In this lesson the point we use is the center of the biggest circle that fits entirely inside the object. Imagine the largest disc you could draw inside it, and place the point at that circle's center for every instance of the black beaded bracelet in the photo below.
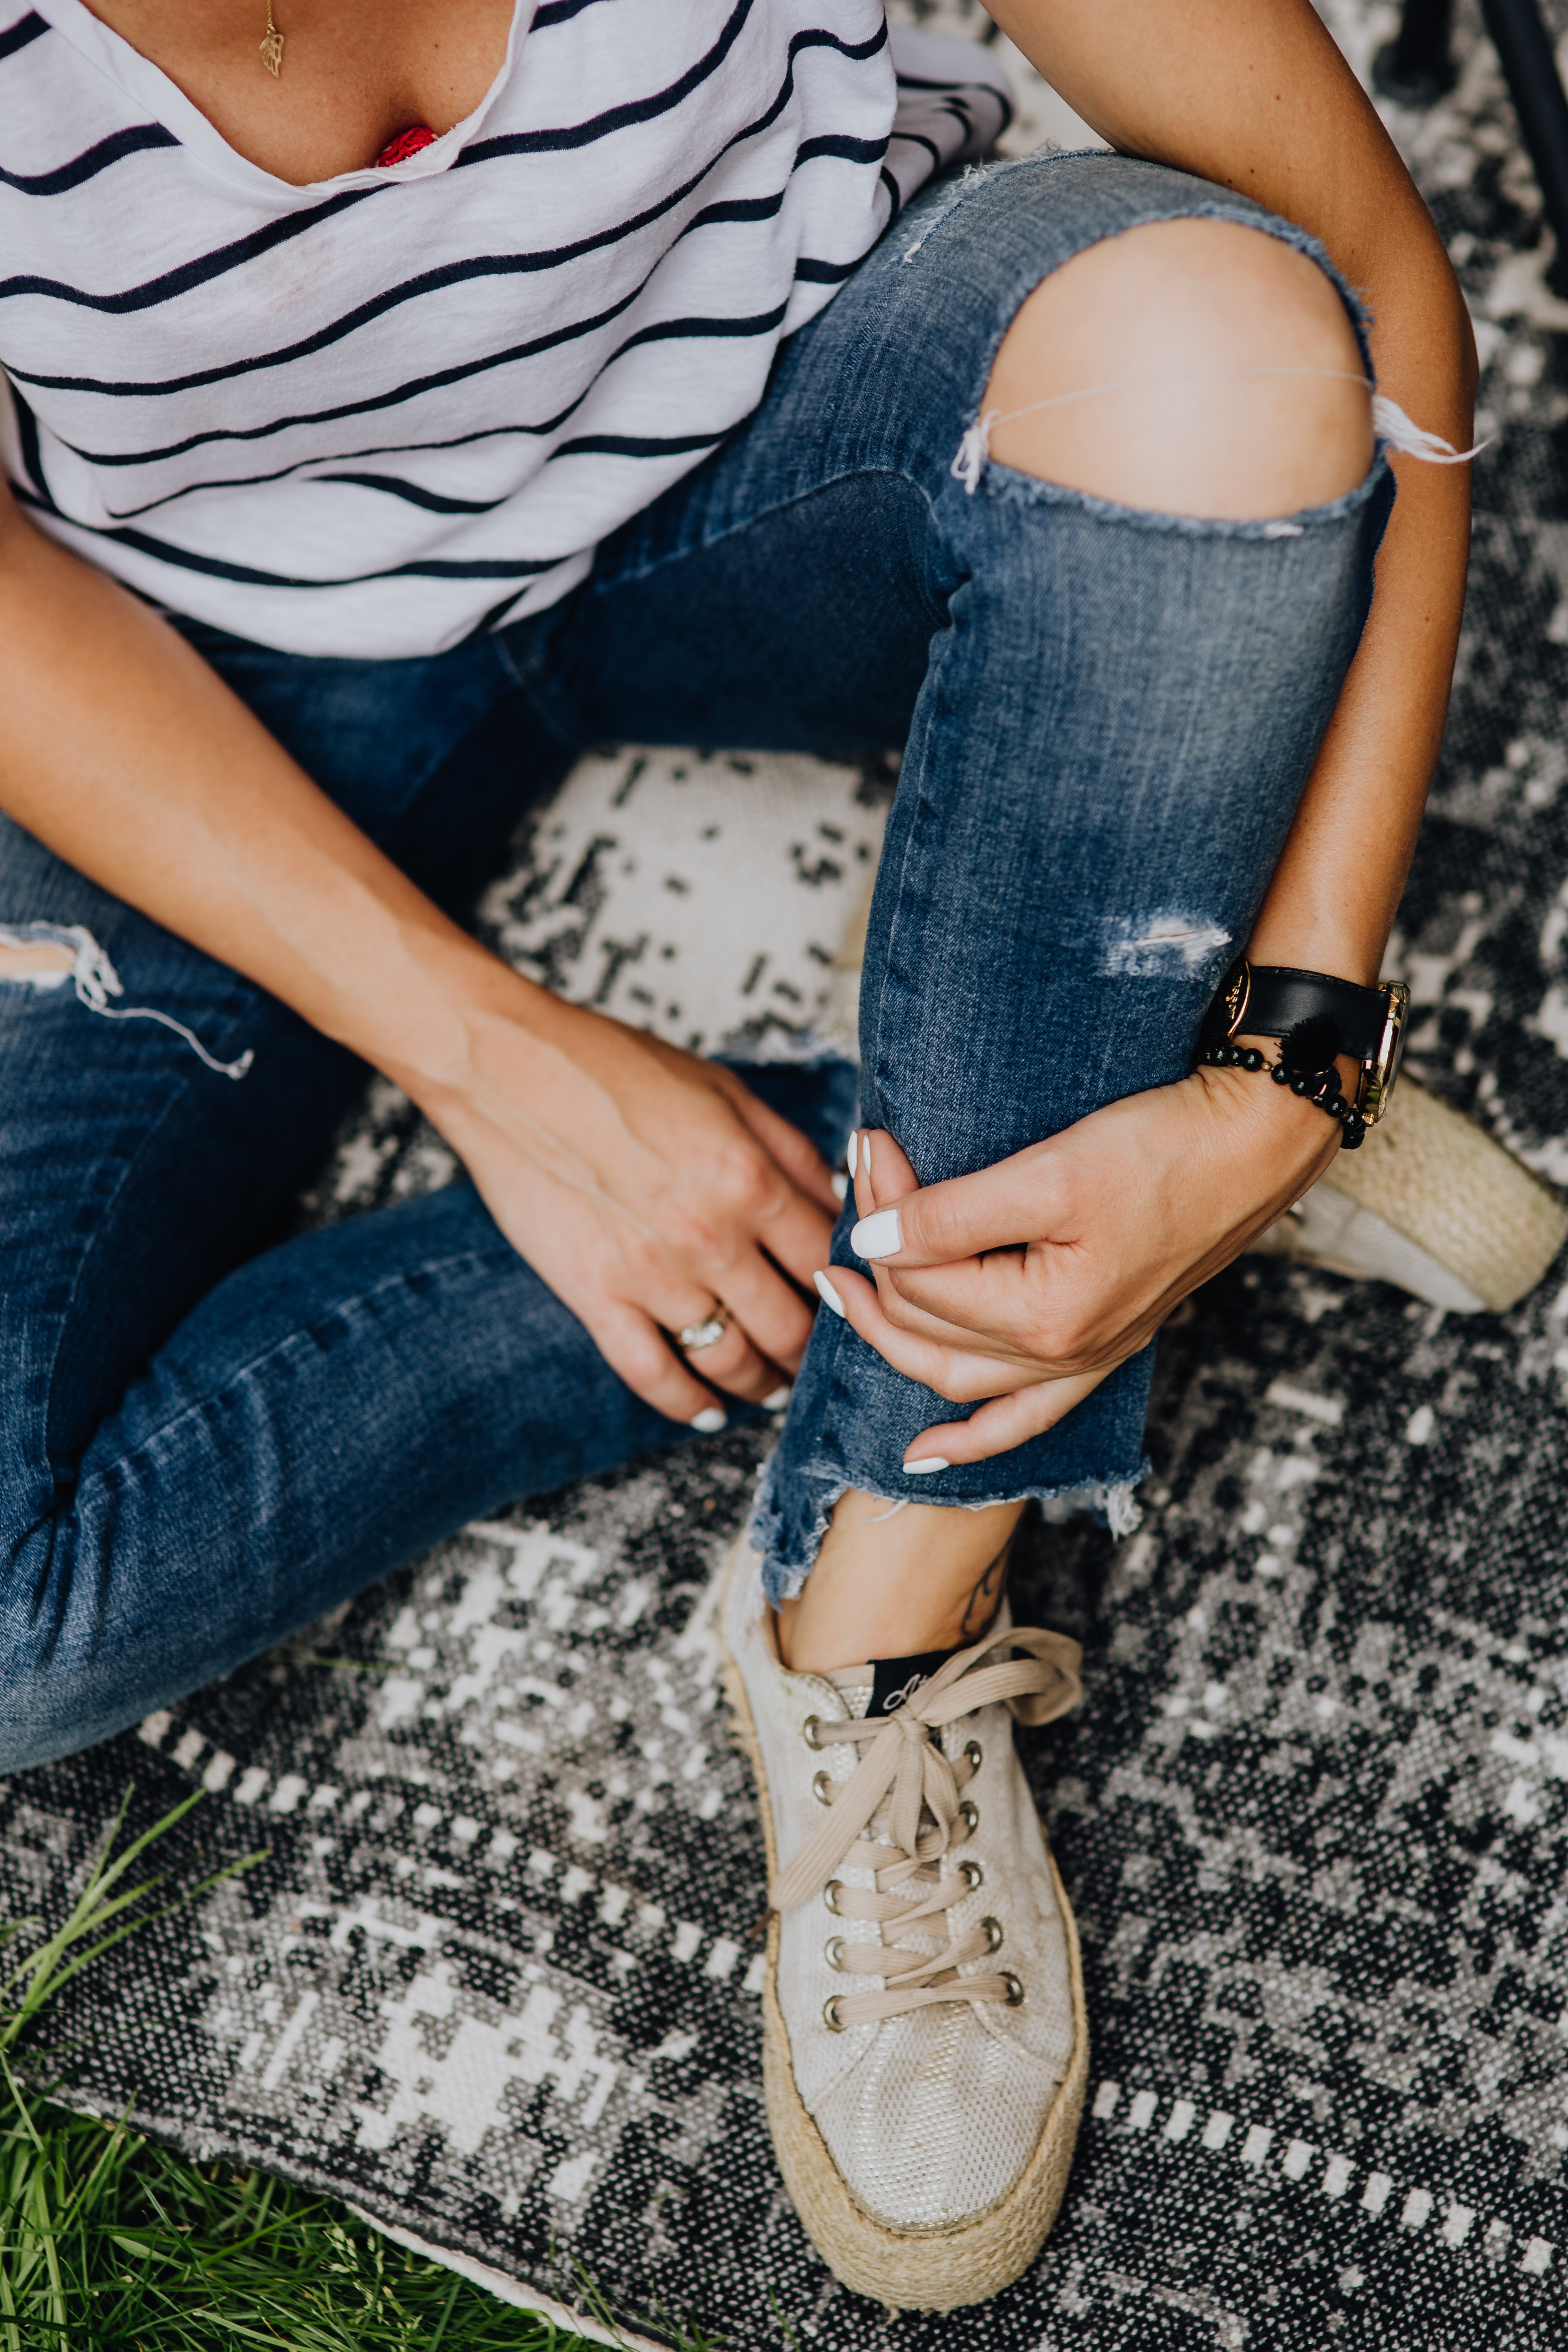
(1321, 1087)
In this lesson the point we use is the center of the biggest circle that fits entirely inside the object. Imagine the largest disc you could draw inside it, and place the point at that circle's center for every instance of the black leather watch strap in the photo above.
(1273, 1001)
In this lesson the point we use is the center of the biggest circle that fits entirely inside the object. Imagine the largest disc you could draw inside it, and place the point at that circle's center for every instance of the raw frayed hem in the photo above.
(1114, 1506)
(95, 981)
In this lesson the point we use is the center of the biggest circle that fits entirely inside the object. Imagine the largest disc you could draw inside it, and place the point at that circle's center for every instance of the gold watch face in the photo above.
(1377, 1089)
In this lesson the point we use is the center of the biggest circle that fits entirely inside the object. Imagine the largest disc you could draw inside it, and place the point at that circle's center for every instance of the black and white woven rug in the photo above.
(497, 1980)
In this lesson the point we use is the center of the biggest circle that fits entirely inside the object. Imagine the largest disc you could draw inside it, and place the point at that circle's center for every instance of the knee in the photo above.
(1199, 325)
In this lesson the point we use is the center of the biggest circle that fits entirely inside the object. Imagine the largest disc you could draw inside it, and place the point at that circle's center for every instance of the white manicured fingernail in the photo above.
(880, 1236)
(866, 1157)
(932, 1461)
(711, 1421)
(849, 1153)
(840, 1184)
(828, 1294)
(776, 1399)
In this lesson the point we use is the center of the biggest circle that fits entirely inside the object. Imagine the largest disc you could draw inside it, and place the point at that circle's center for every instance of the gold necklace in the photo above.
(271, 46)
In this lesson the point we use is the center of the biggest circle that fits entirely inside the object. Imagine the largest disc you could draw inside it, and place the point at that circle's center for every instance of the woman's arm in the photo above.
(1149, 1197)
(1252, 94)
(637, 1180)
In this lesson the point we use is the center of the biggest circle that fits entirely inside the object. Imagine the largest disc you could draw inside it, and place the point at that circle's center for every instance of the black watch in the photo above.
(1316, 1019)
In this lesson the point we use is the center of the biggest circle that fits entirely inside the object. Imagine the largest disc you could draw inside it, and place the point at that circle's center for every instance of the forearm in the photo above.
(1253, 95)
(1332, 900)
(126, 755)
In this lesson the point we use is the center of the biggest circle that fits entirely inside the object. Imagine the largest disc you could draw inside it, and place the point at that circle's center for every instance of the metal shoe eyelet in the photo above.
(971, 1874)
(830, 2016)
(808, 1731)
(969, 1814)
(992, 1931)
(973, 1754)
(820, 1787)
(831, 1893)
(833, 1952)
(1015, 1988)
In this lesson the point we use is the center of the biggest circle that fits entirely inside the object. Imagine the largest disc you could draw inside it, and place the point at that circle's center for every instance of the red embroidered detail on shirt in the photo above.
(407, 142)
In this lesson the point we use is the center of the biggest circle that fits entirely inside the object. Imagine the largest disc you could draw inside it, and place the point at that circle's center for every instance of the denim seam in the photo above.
(706, 543)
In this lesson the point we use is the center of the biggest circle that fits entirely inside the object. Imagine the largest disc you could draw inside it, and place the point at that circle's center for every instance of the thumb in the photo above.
(882, 1173)
(996, 1208)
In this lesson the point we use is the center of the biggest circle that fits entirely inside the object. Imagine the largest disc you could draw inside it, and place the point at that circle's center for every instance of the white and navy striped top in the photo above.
(375, 415)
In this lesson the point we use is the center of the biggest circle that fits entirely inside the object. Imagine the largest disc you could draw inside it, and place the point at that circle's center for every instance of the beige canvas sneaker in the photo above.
(925, 2048)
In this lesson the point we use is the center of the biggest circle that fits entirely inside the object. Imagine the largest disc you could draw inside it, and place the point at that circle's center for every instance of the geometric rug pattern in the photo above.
(496, 1978)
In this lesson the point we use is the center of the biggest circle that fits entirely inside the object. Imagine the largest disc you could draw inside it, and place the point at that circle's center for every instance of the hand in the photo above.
(642, 1184)
(1028, 1283)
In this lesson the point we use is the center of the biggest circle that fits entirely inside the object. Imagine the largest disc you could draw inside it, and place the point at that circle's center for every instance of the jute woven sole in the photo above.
(1441, 1184)
(906, 2269)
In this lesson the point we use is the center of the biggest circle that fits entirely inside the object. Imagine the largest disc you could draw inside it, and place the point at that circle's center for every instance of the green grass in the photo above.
(111, 2243)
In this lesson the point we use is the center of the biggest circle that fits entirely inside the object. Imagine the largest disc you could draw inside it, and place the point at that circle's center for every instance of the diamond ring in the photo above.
(695, 1336)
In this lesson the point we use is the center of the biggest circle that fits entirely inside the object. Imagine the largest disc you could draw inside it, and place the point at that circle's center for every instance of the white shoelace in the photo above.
(909, 1790)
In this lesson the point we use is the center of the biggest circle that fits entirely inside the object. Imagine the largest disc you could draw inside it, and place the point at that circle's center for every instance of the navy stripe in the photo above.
(453, 273)
(200, 272)
(895, 196)
(133, 141)
(915, 139)
(616, 117)
(737, 208)
(536, 143)
(32, 456)
(826, 273)
(437, 381)
(215, 567)
(26, 29)
(431, 500)
(853, 151)
(559, 12)
(299, 468)
(627, 445)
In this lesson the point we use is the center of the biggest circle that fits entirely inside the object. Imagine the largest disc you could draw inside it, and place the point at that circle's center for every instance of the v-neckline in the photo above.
(116, 56)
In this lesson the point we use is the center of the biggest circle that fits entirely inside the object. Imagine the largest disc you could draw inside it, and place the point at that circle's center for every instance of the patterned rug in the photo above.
(496, 1981)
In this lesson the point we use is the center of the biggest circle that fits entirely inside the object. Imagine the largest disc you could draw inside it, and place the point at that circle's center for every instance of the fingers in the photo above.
(951, 1371)
(800, 1160)
(1000, 1425)
(771, 1310)
(738, 1366)
(996, 1208)
(632, 1345)
(882, 1173)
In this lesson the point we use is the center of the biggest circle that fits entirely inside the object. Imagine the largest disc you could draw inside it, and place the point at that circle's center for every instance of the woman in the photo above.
(400, 401)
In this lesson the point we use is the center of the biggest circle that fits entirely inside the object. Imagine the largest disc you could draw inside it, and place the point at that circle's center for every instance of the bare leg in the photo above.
(1181, 302)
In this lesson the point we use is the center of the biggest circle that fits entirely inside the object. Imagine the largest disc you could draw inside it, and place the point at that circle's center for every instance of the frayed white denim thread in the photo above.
(1117, 1505)
(1142, 953)
(1389, 422)
(95, 981)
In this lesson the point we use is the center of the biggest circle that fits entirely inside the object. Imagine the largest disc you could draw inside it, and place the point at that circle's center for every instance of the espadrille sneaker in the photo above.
(925, 2048)
(1430, 1203)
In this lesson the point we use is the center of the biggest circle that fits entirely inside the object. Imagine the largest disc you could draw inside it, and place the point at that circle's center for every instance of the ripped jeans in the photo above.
(210, 1434)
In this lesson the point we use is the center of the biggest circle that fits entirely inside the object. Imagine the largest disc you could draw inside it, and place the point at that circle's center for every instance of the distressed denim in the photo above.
(211, 1433)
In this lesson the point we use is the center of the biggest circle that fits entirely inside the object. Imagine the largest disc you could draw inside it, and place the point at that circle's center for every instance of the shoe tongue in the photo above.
(885, 1684)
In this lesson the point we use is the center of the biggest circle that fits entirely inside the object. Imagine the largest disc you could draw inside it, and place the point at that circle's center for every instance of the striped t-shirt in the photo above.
(373, 415)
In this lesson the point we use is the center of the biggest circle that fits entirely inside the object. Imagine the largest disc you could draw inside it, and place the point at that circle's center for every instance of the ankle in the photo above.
(887, 1586)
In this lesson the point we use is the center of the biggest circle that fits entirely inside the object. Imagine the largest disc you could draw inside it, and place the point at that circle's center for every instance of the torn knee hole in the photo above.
(39, 962)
